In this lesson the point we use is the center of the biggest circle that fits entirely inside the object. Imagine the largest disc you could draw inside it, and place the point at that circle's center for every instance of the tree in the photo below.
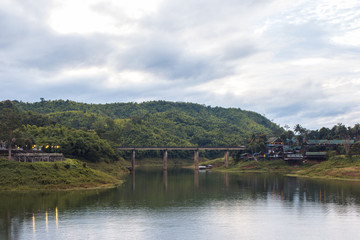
(355, 149)
(256, 142)
(10, 120)
(324, 133)
(298, 129)
(347, 146)
(355, 131)
(287, 137)
(301, 133)
(341, 131)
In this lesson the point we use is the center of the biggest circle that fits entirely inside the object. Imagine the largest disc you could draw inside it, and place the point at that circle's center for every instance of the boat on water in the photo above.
(202, 167)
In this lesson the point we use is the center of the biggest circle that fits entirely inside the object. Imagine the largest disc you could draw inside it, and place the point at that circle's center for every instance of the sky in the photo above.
(291, 61)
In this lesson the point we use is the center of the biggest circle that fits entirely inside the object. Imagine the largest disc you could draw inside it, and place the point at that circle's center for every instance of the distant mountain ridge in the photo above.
(157, 123)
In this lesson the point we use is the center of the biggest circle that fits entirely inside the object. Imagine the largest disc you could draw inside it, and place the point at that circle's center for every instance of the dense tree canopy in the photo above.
(158, 122)
(338, 131)
(10, 120)
(76, 143)
(92, 131)
(81, 128)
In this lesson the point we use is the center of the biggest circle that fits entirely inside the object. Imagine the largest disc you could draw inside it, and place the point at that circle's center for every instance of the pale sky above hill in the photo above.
(293, 61)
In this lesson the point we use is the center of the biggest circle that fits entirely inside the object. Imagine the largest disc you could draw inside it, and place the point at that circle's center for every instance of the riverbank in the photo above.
(337, 167)
(65, 175)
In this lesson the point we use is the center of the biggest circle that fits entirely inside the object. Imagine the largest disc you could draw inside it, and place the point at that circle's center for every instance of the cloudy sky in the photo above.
(292, 61)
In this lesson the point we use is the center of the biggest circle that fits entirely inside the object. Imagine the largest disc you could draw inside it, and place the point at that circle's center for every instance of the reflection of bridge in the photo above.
(195, 149)
(165, 180)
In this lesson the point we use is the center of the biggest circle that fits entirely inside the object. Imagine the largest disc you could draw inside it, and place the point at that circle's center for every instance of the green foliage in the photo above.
(355, 149)
(338, 131)
(330, 154)
(257, 142)
(73, 143)
(263, 166)
(48, 175)
(155, 123)
(336, 167)
(10, 120)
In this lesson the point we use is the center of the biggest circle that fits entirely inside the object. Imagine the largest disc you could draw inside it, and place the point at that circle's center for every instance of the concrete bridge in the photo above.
(195, 149)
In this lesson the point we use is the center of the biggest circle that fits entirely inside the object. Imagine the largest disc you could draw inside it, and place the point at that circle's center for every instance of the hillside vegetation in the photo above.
(89, 131)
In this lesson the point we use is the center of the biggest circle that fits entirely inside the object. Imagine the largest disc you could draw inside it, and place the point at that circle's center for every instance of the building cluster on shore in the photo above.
(317, 150)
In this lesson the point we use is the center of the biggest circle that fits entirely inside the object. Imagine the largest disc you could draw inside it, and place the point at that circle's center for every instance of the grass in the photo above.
(69, 174)
(337, 167)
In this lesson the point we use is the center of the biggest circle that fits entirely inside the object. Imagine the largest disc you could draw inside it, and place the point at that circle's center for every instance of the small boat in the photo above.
(205, 167)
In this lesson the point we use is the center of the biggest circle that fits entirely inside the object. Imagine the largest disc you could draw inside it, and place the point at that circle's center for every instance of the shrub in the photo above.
(331, 154)
(355, 149)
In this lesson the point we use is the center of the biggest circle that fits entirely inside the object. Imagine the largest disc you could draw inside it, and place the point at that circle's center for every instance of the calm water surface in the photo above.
(183, 204)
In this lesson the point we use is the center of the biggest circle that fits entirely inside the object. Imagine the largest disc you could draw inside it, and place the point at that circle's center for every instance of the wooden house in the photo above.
(275, 147)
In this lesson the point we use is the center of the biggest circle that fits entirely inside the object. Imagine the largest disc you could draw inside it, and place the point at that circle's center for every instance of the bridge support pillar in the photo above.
(226, 157)
(196, 159)
(133, 160)
(165, 158)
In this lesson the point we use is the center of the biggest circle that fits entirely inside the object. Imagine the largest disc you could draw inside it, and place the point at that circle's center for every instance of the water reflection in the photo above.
(196, 179)
(33, 222)
(227, 181)
(57, 218)
(179, 189)
(165, 174)
(36, 221)
(47, 221)
(133, 180)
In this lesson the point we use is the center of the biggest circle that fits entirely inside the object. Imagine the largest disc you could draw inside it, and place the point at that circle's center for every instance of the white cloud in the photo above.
(96, 16)
(296, 62)
(349, 38)
(76, 17)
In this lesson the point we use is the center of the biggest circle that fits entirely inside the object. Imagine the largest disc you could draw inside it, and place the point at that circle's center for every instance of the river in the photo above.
(183, 204)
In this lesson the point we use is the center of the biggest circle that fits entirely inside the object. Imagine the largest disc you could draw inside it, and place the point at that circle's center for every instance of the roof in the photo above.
(288, 148)
(329, 142)
(315, 153)
(294, 155)
(273, 139)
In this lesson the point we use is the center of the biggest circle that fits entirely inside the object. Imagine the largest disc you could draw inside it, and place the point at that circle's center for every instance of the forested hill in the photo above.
(92, 131)
(156, 123)
(128, 110)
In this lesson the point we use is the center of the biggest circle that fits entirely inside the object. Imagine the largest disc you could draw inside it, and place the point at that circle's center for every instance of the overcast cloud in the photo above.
(293, 61)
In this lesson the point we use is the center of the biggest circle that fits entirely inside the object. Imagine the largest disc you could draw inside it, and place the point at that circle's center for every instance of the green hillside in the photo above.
(183, 120)
(74, 125)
